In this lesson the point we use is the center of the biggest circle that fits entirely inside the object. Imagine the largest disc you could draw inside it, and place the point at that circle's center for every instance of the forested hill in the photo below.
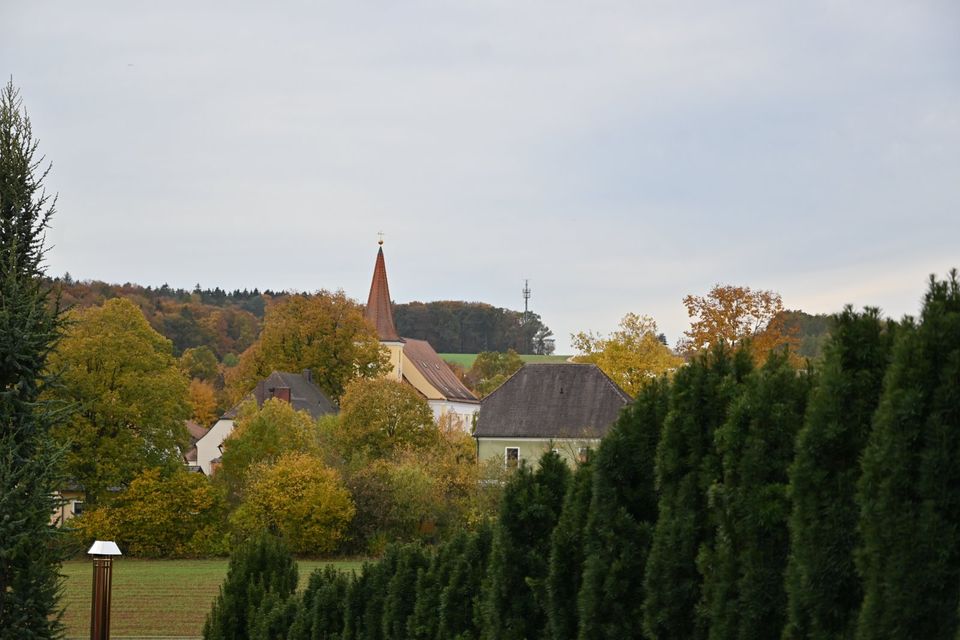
(228, 322)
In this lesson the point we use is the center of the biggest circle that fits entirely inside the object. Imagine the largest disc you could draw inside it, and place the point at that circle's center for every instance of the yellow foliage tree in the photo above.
(631, 356)
(299, 497)
(324, 332)
(737, 315)
(203, 402)
(129, 393)
(173, 515)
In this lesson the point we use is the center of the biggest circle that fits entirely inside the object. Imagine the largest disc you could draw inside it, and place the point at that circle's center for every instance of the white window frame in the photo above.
(506, 457)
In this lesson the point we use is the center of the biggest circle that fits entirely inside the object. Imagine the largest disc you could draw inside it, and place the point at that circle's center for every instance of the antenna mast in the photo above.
(526, 300)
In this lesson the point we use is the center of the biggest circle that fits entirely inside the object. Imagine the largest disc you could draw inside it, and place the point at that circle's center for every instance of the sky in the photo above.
(618, 155)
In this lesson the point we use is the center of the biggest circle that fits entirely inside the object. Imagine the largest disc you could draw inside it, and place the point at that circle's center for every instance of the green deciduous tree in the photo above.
(262, 577)
(908, 492)
(743, 564)
(324, 332)
(823, 588)
(515, 590)
(30, 325)
(131, 398)
(301, 499)
(380, 418)
(623, 512)
(686, 466)
(490, 369)
(633, 355)
(175, 515)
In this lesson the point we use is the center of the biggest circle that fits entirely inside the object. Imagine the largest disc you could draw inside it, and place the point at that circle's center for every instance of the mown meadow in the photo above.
(157, 598)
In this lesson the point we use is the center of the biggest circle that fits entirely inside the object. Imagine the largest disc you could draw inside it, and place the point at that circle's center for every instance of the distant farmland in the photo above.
(465, 360)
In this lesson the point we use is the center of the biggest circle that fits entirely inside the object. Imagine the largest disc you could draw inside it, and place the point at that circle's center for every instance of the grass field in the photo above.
(156, 598)
(465, 360)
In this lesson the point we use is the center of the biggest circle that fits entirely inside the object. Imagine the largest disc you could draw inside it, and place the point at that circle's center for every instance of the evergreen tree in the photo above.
(401, 594)
(323, 610)
(514, 592)
(823, 588)
(460, 601)
(686, 466)
(424, 624)
(743, 566)
(909, 491)
(566, 555)
(619, 530)
(261, 578)
(30, 324)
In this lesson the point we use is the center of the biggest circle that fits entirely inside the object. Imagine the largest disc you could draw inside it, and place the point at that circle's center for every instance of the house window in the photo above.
(77, 507)
(582, 453)
(512, 458)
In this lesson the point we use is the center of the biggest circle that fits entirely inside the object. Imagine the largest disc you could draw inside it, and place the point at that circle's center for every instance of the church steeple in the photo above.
(378, 309)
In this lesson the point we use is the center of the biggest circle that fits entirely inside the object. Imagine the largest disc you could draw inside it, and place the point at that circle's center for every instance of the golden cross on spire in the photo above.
(380, 238)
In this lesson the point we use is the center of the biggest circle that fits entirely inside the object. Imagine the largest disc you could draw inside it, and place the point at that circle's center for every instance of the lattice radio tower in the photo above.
(526, 300)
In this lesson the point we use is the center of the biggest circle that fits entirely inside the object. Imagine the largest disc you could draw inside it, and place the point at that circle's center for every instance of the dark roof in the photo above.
(304, 395)
(552, 401)
(436, 371)
(195, 430)
(378, 311)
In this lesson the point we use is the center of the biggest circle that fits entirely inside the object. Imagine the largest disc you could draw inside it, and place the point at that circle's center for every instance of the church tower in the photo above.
(379, 313)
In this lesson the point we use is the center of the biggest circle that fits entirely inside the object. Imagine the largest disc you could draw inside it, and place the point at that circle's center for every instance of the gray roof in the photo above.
(552, 401)
(304, 394)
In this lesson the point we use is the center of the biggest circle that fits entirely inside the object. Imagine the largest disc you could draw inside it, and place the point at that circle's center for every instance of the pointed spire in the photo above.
(378, 310)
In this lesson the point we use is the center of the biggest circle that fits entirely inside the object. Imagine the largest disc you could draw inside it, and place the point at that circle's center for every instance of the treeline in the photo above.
(472, 327)
(734, 501)
(228, 322)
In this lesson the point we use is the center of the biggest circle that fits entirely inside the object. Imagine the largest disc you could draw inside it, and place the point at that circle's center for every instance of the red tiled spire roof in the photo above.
(378, 310)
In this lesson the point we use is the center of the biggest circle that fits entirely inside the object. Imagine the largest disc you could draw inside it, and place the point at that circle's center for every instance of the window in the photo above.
(582, 453)
(512, 458)
(77, 507)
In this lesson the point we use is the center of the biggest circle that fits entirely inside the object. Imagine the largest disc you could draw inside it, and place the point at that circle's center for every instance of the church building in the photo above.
(415, 362)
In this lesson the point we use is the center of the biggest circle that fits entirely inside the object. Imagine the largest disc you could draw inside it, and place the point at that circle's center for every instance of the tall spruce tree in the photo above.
(619, 527)
(514, 592)
(743, 566)
(566, 555)
(253, 599)
(30, 325)
(424, 623)
(401, 594)
(686, 467)
(909, 492)
(323, 611)
(461, 600)
(823, 588)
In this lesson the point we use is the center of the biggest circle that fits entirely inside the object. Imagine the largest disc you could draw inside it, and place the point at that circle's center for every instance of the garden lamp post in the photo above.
(102, 552)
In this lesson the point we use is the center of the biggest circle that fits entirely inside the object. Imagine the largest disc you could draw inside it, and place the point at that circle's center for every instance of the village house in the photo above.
(565, 407)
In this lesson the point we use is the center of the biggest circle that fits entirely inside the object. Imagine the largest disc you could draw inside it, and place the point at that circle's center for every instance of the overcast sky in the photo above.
(620, 155)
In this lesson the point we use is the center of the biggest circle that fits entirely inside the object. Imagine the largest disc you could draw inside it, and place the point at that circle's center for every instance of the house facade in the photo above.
(565, 407)
(415, 362)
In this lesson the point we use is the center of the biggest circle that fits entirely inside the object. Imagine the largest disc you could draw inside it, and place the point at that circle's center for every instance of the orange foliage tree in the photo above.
(735, 315)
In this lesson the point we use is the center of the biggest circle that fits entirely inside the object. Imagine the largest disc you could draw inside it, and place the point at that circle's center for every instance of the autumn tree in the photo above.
(735, 315)
(324, 332)
(380, 417)
(30, 325)
(823, 588)
(158, 516)
(199, 362)
(490, 369)
(633, 355)
(262, 435)
(908, 491)
(130, 396)
(203, 402)
(300, 498)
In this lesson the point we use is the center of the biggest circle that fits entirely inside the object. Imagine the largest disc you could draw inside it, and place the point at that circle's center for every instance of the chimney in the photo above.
(308, 375)
(283, 393)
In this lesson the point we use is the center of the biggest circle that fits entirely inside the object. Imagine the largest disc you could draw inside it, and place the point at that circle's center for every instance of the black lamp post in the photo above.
(102, 552)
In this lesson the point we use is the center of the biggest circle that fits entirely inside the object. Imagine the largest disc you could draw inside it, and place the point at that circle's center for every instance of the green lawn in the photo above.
(156, 598)
(465, 360)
